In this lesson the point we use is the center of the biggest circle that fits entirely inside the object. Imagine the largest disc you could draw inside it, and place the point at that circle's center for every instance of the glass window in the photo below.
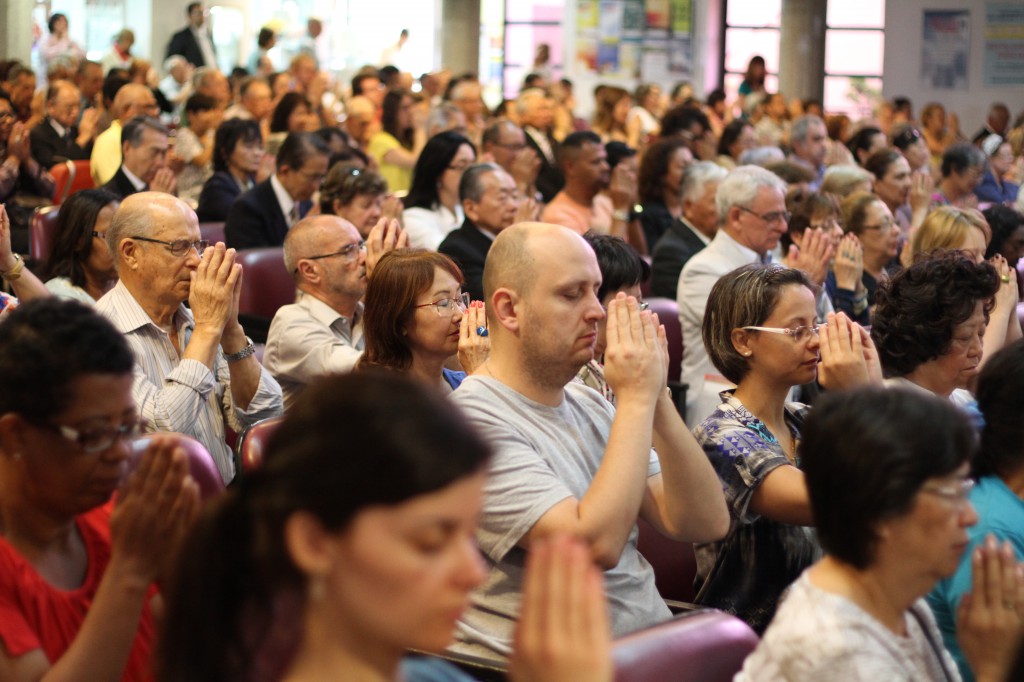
(854, 96)
(743, 43)
(858, 14)
(854, 52)
(753, 13)
(535, 10)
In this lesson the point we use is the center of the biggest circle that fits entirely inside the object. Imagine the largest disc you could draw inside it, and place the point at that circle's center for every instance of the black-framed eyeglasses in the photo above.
(179, 247)
(350, 252)
(770, 217)
(444, 305)
(798, 334)
(96, 440)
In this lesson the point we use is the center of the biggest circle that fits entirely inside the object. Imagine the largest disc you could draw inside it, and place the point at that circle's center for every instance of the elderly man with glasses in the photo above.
(322, 332)
(195, 369)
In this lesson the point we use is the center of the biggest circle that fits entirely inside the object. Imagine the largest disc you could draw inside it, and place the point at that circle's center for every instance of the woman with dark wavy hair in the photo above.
(660, 186)
(929, 323)
(432, 207)
(81, 267)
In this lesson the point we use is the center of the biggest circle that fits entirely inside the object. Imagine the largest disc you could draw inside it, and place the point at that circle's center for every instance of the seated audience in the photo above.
(505, 143)
(622, 270)
(195, 369)
(322, 332)
(911, 144)
(867, 217)
(77, 571)
(254, 102)
(144, 147)
(752, 217)
(580, 205)
(489, 202)
(263, 215)
(891, 525)
(612, 105)
(60, 136)
(930, 320)
(660, 187)
(418, 318)
(80, 266)
(432, 207)
(1007, 226)
(358, 195)
(565, 460)
(194, 145)
(761, 332)
(962, 167)
(809, 140)
(996, 497)
(994, 188)
(398, 144)
(130, 101)
(536, 113)
(642, 123)
(20, 175)
(315, 587)
(237, 156)
(293, 114)
(865, 142)
(937, 135)
(691, 231)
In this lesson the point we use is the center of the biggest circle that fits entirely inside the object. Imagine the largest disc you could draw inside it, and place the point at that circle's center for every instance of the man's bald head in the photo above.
(143, 214)
(135, 99)
(310, 236)
(513, 260)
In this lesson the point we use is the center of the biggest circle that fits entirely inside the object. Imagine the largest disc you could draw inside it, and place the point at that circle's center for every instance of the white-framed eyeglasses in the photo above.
(957, 493)
(798, 334)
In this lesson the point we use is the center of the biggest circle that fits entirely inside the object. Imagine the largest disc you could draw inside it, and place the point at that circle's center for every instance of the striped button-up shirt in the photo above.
(183, 395)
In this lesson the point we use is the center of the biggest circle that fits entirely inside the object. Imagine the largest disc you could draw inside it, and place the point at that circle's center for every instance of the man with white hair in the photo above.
(689, 233)
(255, 102)
(195, 369)
(752, 216)
(177, 84)
(809, 139)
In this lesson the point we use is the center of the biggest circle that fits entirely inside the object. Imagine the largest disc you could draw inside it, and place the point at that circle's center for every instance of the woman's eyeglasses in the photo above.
(798, 334)
(444, 305)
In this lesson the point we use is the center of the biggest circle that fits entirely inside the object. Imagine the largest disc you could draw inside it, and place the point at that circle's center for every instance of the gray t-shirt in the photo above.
(818, 635)
(542, 455)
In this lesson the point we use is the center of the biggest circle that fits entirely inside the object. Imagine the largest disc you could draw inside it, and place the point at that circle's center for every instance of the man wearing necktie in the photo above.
(263, 215)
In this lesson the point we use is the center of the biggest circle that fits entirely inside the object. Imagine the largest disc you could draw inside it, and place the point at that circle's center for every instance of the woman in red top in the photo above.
(77, 572)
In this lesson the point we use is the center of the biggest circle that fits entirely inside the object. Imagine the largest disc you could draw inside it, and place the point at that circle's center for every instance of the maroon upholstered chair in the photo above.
(668, 315)
(201, 466)
(674, 563)
(701, 646)
(70, 177)
(253, 443)
(41, 233)
(212, 232)
(647, 284)
(266, 286)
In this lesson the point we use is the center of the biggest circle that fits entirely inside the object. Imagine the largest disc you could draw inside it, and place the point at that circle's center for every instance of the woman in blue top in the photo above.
(417, 318)
(998, 495)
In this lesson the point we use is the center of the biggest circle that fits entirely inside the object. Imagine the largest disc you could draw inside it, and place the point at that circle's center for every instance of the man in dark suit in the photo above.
(690, 233)
(263, 215)
(194, 42)
(489, 200)
(536, 115)
(143, 159)
(60, 137)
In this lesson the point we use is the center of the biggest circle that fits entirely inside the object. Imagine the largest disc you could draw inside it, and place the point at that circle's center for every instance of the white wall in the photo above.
(903, 31)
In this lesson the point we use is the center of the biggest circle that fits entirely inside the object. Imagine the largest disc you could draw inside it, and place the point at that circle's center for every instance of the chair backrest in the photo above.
(63, 175)
(42, 231)
(668, 315)
(701, 646)
(648, 284)
(674, 563)
(201, 466)
(212, 232)
(266, 285)
(253, 443)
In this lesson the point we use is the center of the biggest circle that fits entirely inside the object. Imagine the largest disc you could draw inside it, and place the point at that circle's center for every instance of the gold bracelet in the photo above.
(14, 273)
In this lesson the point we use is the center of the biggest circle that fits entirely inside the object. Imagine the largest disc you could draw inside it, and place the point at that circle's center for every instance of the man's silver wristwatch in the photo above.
(249, 349)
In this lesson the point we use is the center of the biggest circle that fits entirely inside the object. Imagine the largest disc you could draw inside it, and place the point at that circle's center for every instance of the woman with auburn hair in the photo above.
(417, 318)
(613, 107)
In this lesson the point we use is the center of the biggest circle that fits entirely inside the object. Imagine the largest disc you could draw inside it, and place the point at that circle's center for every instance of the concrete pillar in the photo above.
(802, 49)
(459, 35)
(16, 30)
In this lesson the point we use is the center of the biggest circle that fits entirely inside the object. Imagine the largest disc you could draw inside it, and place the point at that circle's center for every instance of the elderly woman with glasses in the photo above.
(77, 571)
(892, 523)
(417, 318)
(359, 195)
(761, 332)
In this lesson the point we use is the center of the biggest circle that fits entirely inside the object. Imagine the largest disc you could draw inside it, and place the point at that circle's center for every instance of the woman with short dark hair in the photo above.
(761, 332)
(887, 476)
(237, 153)
(81, 266)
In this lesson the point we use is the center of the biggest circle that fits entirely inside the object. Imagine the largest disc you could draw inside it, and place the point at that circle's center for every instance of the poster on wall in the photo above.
(1004, 44)
(646, 39)
(945, 47)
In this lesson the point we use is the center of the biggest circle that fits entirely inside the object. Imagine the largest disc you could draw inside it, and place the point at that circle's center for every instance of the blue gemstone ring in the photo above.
(481, 331)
